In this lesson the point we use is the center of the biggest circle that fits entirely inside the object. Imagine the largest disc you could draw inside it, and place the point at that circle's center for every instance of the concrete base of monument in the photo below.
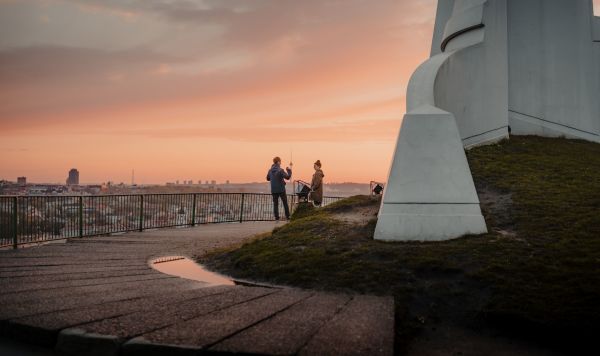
(429, 222)
(522, 124)
(430, 195)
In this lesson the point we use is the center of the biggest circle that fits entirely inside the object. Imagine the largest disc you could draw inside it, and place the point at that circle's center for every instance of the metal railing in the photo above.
(34, 219)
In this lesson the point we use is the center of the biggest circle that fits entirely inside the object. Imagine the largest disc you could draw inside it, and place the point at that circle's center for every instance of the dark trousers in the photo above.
(283, 197)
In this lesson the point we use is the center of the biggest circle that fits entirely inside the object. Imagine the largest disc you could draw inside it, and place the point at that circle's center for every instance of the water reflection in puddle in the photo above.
(185, 268)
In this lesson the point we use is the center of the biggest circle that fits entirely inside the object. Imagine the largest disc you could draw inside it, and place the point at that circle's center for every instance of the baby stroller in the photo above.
(302, 190)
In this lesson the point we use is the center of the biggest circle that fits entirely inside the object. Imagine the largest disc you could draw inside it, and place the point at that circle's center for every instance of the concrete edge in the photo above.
(140, 346)
(394, 226)
(30, 334)
(248, 283)
(523, 124)
(75, 341)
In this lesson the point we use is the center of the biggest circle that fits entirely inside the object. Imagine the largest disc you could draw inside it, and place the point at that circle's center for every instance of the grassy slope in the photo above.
(542, 283)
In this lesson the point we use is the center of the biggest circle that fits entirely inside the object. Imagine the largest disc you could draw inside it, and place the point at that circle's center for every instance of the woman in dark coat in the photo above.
(316, 185)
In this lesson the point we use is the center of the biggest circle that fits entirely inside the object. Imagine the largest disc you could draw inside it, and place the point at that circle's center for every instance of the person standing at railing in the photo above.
(316, 186)
(277, 176)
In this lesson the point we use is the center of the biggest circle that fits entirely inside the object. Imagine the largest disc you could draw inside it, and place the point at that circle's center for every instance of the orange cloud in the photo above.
(226, 82)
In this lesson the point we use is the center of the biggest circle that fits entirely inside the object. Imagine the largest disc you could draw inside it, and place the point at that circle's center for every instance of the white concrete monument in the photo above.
(533, 65)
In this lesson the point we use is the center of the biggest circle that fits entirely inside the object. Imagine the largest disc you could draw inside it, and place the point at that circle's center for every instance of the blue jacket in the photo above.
(276, 176)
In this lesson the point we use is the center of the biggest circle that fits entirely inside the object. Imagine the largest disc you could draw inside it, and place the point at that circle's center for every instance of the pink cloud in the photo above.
(299, 71)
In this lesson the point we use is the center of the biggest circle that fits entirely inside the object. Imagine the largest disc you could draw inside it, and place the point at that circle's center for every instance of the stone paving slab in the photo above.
(132, 325)
(207, 330)
(69, 267)
(66, 269)
(74, 259)
(100, 296)
(101, 288)
(59, 272)
(70, 262)
(51, 303)
(72, 283)
(364, 327)
(75, 276)
(44, 328)
(288, 331)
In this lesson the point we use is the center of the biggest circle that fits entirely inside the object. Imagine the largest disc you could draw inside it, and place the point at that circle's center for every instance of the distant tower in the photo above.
(73, 177)
(132, 177)
(22, 181)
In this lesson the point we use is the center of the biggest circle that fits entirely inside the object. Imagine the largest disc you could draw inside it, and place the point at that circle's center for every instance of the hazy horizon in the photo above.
(164, 183)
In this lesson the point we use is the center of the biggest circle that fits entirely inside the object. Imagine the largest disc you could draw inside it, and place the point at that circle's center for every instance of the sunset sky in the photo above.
(206, 89)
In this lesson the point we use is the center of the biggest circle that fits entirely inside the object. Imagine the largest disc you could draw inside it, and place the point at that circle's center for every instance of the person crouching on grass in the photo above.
(316, 186)
(277, 176)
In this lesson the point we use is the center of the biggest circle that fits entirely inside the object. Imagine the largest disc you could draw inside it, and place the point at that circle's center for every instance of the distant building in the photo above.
(213, 182)
(22, 180)
(73, 177)
(206, 183)
(227, 181)
(177, 182)
(200, 181)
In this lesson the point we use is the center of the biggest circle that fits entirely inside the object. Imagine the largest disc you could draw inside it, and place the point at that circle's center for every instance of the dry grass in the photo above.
(535, 276)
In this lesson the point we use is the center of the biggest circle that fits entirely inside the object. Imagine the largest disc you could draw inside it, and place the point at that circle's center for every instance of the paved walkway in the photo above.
(100, 296)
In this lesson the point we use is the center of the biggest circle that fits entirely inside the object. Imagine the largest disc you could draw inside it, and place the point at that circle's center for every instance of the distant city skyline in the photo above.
(175, 182)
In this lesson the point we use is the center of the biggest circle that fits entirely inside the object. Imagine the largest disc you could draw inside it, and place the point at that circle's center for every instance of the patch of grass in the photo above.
(536, 275)
(351, 203)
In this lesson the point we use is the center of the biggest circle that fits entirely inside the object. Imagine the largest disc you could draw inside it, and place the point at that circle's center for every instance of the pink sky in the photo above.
(207, 89)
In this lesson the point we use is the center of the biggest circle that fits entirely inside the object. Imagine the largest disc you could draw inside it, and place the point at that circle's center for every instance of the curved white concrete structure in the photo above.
(554, 62)
(494, 63)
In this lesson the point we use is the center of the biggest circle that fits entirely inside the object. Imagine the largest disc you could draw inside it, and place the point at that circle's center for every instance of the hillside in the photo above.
(532, 284)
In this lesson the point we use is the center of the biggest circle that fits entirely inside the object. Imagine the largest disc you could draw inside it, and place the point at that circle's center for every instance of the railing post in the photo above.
(292, 205)
(15, 223)
(194, 210)
(80, 216)
(242, 209)
(141, 212)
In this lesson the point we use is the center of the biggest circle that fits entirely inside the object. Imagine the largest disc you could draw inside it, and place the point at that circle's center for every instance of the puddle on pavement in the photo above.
(185, 268)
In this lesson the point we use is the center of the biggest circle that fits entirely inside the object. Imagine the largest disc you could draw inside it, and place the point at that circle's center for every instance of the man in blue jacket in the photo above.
(277, 176)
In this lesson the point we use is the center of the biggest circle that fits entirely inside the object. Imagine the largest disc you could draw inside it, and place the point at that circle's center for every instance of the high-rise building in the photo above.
(22, 180)
(73, 177)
